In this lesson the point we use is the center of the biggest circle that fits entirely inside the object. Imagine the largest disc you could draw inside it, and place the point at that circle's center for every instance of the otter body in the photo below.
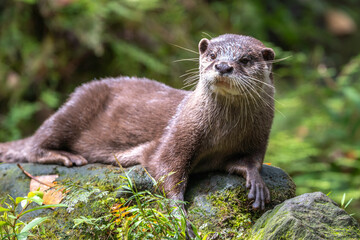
(224, 124)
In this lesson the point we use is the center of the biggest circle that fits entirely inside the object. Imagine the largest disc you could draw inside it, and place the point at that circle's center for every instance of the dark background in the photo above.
(48, 47)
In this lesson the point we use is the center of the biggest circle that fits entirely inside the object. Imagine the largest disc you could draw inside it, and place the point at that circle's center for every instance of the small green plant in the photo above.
(147, 215)
(141, 215)
(343, 204)
(11, 227)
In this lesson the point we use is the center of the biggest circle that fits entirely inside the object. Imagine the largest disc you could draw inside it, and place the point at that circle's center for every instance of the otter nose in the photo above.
(223, 68)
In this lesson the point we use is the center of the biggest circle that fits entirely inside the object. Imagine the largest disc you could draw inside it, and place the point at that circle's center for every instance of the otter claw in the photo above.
(260, 193)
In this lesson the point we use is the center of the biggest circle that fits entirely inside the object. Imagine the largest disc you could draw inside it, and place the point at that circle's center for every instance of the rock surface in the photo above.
(217, 201)
(309, 216)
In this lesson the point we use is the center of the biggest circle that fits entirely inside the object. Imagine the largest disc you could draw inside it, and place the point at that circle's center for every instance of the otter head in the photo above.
(232, 65)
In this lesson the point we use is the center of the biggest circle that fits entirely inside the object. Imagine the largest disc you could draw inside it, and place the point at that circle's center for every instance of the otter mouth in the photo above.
(223, 86)
(223, 83)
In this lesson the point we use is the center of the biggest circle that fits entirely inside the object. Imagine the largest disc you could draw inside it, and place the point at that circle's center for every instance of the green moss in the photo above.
(229, 214)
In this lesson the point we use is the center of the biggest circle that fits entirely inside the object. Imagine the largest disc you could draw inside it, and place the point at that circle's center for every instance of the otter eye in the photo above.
(244, 61)
(213, 56)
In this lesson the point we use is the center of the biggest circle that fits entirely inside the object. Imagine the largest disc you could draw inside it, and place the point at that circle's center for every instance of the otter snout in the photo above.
(224, 68)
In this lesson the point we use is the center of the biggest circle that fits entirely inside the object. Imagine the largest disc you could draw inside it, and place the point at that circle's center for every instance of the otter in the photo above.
(224, 124)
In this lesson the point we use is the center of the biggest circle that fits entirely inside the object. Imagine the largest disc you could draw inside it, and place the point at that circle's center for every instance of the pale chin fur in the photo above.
(212, 77)
(224, 90)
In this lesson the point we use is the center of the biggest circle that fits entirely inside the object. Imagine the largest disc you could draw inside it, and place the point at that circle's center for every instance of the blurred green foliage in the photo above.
(48, 47)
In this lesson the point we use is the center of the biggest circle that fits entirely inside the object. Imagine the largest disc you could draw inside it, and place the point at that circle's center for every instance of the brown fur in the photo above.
(165, 129)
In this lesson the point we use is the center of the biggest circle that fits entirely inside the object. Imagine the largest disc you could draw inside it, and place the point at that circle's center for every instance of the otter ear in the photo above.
(268, 54)
(203, 45)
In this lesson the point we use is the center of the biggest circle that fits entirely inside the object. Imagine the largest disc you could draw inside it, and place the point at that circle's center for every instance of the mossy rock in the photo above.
(308, 216)
(217, 201)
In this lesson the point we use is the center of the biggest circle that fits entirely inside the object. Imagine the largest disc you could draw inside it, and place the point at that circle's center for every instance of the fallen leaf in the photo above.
(47, 179)
(51, 195)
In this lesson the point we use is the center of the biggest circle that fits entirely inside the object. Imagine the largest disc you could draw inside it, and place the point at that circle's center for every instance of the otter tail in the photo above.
(15, 151)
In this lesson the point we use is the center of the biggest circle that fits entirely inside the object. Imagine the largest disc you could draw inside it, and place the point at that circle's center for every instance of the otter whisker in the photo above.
(191, 79)
(255, 85)
(189, 73)
(184, 48)
(205, 33)
(252, 87)
(265, 91)
(257, 80)
(252, 119)
(192, 69)
(243, 81)
(268, 95)
(244, 105)
(192, 82)
(187, 59)
(189, 85)
(279, 60)
(261, 63)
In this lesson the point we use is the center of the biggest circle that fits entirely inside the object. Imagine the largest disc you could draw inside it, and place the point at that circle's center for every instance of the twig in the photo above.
(32, 177)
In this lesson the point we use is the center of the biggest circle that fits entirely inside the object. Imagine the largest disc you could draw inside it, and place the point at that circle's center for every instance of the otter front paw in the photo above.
(76, 159)
(63, 158)
(258, 191)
